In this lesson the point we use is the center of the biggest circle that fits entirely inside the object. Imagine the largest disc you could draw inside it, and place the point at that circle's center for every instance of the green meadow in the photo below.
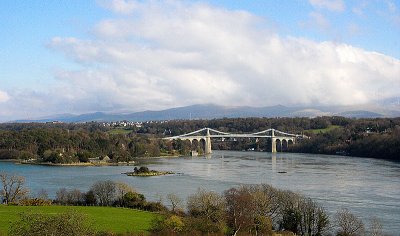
(118, 220)
(120, 131)
(317, 131)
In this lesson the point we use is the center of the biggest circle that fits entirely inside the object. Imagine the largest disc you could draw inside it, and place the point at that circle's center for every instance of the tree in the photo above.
(90, 198)
(289, 212)
(76, 197)
(313, 218)
(375, 227)
(176, 202)
(168, 225)
(104, 192)
(238, 202)
(62, 196)
(84, 156)
(208, 210)
(174, 223)
(42, 194)
(70, 197)
(70, 223)
(301, 215)
(134, 200)
(348, 224)
(12, 188)
(121, 189)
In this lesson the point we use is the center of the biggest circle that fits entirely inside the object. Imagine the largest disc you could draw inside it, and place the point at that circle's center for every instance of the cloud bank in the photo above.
(161, 54)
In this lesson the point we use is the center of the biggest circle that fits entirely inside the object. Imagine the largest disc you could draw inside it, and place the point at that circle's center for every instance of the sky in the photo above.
(73, 56)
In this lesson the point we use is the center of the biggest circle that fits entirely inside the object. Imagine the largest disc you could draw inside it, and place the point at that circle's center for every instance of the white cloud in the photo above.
(319, 21)
(332, 5)
(394, 14)
(172, 53)
(167, 54)
(353, 30)
(4, 97)
(119, 6)
(360, 8)
(391, 6)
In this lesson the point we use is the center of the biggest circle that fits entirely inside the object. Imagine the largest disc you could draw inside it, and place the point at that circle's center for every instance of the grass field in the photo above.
(119, 131)
(317, 131)
(117, 220)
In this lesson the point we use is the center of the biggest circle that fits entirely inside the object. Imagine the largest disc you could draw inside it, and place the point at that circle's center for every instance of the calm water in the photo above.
(367, 187)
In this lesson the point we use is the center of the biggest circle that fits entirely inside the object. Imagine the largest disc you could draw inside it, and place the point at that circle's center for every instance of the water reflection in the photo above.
(273, 163)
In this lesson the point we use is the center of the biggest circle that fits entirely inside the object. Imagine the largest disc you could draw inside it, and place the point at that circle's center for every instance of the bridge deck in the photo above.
(229, 136)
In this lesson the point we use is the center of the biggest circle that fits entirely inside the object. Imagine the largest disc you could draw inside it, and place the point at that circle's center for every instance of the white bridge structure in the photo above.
(204, 135)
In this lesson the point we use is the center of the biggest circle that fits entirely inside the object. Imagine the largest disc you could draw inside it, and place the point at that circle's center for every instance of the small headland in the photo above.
(145, 172)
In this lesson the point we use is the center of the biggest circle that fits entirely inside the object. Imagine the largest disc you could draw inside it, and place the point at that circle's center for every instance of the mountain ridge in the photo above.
(213, 111)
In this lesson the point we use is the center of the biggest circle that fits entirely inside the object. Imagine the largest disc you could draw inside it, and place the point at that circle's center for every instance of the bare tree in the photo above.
(70, 197)
(75, 197)
(208, 210)
(348, 224)
(375, 227)
(313, 218)
(42, 194)
(104, 191)
(12, 188)
(176, 202)
(62, 196)
(121, 189)
(239, 210)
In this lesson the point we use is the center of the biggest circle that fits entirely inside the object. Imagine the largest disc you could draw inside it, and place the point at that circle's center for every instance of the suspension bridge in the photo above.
(278, 138)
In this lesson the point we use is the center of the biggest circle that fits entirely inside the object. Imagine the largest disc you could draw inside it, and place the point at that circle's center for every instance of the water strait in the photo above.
(368, 187)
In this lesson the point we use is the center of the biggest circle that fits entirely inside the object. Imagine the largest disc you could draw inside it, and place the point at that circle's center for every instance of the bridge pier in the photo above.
(273, 141)
(207, 148)
(273, 145)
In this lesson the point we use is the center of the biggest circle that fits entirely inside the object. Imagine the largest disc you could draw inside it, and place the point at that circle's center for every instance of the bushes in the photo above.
(247, 210)
(142, 169)
(260, 208)
(84, 156)
(348, 224)
(9, 154)
(70, 197)
(35, 202)
(70, 223)
(207, 210)
(108, 193)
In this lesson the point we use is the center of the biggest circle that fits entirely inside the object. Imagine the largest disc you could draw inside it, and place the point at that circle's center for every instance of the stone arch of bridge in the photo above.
(285, 145)
(202, 143)
(278, 145)
(194, 145)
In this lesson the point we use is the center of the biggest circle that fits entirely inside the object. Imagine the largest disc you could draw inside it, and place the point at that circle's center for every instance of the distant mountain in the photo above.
(211, 111)
(360, 114)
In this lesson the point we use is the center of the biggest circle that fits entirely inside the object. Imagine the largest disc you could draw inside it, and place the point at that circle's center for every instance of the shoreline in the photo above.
(74, 164)
(84, 164)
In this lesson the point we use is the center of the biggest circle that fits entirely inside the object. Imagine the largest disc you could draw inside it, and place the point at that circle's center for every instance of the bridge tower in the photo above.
(273, 141)
(207, 148)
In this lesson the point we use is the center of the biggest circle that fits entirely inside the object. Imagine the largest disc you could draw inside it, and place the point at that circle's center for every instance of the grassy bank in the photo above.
(117, 220)
(318, 131)
(120, 131)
